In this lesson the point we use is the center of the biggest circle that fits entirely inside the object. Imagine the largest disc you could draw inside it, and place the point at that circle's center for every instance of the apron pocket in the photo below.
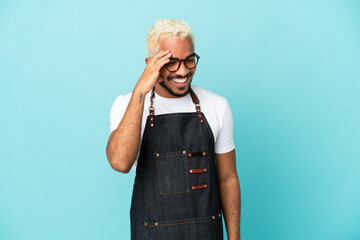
(208, 228)
(172, 172)
(173, 231)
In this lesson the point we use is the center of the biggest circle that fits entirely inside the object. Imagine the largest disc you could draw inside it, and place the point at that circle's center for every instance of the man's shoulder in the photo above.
(207, 96)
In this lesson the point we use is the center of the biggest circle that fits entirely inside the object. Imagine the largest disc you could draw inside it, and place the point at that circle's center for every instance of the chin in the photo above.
(177, 92)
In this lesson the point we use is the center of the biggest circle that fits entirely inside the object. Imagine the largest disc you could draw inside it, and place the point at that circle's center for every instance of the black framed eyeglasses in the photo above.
(190, 62)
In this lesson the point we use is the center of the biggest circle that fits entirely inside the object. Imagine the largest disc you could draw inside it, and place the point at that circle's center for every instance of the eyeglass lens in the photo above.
(189, 62)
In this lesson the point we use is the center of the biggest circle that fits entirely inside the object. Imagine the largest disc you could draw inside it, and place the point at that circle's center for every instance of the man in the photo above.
(182, 149)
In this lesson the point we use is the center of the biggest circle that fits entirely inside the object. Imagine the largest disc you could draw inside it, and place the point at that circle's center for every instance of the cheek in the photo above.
(164, 72)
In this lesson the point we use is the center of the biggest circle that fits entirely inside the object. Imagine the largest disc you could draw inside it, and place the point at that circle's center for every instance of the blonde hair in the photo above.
(174, 28)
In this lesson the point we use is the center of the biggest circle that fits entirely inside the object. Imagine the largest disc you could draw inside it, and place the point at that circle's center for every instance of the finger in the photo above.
(165, 59)
(155, 58)
(158, 63)
(162, 62)
(161, 54)
(166, 56)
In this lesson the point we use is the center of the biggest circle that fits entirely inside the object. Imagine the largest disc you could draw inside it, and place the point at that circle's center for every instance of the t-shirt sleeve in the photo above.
(117, 111)
(225, 141)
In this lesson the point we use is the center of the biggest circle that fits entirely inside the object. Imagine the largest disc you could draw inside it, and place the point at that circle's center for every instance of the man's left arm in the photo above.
(229, 193)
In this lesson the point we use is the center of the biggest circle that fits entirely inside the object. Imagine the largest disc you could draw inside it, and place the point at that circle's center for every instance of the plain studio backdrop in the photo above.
(289, 69)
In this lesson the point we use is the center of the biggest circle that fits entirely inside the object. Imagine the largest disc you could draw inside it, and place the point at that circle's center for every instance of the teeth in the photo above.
(179, 80)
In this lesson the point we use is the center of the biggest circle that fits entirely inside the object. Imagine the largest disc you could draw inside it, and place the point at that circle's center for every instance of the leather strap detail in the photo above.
(193, 97)
(196, 154)
(198, 170)
(151, 108)
(197, 104)
(151, 117)
(196, 187)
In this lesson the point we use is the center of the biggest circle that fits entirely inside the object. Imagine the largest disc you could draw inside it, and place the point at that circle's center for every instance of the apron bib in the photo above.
(176, 192)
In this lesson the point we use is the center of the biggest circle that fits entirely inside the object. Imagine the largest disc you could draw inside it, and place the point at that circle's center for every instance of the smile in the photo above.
(179, 80)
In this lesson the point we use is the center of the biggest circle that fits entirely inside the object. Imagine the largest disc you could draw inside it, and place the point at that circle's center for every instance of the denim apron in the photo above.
(176, 192)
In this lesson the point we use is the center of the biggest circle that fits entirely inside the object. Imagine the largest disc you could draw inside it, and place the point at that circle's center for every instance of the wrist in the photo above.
(138, 92)
(138, 95)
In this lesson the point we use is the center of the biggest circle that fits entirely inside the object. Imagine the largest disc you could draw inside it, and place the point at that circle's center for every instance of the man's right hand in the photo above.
(124, 142)
(151, 73)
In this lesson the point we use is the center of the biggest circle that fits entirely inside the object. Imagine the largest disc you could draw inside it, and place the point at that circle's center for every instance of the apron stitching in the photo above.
(157, 167)
(187, 175)
(165, 156)
(145, 233)
(181, 223)
(174, 115)
(213, 228)
(173, 193)
(208, 129)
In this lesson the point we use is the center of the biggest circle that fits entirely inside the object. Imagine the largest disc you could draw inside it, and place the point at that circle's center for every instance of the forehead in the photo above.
(180, 48)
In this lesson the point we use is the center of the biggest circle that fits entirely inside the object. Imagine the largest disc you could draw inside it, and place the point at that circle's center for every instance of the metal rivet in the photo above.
(152, 125)
(157, 154)
(190, 171)
(151, 113)
(156, 224)
(213, 217)
(205, 185)
(184, 152)
(189, 155)
(145, 223)
(219, 214)
(204, 153)
(205, 169)
(151, 118)
(193, 188)
(201, 121)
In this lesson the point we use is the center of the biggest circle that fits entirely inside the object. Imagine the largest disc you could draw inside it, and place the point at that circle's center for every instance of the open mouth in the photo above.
(179, 81)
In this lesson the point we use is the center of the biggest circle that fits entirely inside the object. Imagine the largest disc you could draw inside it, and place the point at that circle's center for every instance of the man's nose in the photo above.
(183, 70)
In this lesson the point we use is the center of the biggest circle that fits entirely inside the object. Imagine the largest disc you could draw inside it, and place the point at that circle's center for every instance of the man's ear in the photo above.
(160, 79)
(147, 60)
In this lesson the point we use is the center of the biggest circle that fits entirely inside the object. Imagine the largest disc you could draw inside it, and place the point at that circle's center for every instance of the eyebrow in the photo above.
(185, 58)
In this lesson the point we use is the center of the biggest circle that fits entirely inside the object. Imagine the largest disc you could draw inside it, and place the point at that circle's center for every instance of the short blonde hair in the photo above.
(174, 28)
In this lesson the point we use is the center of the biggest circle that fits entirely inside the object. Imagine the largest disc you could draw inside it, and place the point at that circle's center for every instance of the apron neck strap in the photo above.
(194, 98)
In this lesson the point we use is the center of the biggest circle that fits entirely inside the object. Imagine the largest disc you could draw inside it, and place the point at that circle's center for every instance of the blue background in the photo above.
(289, 69)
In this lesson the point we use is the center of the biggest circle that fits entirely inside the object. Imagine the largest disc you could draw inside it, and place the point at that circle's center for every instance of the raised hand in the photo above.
(152, 71)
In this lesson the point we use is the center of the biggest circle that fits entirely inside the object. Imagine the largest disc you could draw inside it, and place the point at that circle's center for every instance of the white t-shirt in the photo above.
(215, 108)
